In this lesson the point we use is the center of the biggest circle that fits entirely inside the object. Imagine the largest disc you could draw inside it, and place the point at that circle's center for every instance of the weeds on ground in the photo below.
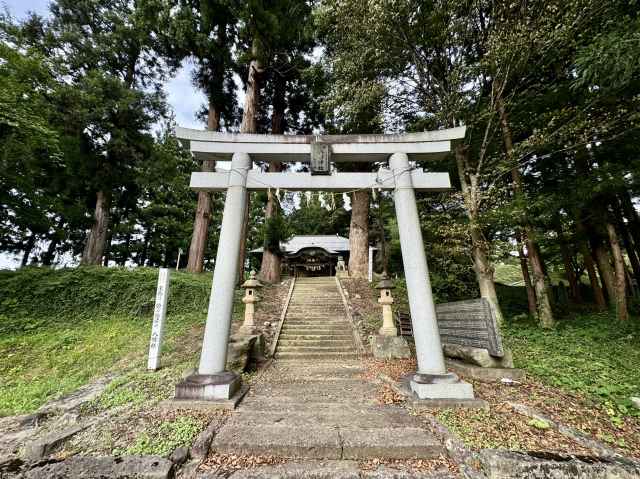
(593, 354)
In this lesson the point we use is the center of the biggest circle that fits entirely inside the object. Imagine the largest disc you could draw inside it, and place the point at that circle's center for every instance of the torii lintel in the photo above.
(427, 145)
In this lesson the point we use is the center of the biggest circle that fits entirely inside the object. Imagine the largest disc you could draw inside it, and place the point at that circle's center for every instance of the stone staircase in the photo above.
(316, 325)
(318, 409)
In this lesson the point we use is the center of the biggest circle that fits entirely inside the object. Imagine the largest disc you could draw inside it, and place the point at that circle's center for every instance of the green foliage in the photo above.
(539, 424)
(164, 439)
(61, 328)
(589, 353)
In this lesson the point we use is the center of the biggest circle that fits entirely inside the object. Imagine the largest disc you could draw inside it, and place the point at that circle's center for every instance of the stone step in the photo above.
(338, 397)
(313, 304)
(320, 280)
(316, 330)
(352, 386)
(349, 348)
(261, 405)
(312, 397)
(364, 417)
(316, 318)
(320, 290)
(324, 287)
(303, 376)
(341, 326)
(316, 342)
(297, 356)
(310, 295)
(316, 337)
(319, 310)
(313, 442)
(316, 304)
(334, 469)
(315, 322)
(318, 442)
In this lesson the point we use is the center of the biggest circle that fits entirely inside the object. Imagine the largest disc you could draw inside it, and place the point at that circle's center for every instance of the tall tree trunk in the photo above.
(252, 94)
(49, 255)
(199, 237)
(250, 125)
(567, 260)
(589, 265)
(28, 248)
(632, 217)
(524, 266)
(200, 234)
(384, 256)
(243, 242)
(482, 267)
(127, 246)
(198, 246)
(107, 247)
(545, 311)
(620, 282)
(598, 295)
(94, 248)
(271, 260)
(145, 246)
(603, 262)
(359, 235)
(629, 246)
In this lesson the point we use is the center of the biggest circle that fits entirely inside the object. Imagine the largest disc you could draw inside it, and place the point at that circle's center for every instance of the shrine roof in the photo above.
(211, 145)
(330, 243)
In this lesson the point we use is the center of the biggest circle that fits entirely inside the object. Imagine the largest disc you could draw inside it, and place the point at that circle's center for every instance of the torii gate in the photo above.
(211, 381)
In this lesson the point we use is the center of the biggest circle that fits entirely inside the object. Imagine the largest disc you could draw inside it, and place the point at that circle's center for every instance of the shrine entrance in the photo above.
(395, 153)
(311, 262)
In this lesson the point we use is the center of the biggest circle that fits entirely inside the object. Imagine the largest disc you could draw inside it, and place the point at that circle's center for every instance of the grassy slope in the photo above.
(58, 329)
(588, 352)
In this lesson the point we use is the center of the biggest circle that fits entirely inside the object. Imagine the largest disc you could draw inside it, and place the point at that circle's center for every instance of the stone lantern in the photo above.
(386, 300)
(250, 297)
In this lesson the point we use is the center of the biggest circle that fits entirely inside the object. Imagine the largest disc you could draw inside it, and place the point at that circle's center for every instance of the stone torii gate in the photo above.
(212, 381)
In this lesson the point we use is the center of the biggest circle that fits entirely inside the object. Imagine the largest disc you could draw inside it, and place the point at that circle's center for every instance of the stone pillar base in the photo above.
(390, 347)
(208, 387)
(441, 386)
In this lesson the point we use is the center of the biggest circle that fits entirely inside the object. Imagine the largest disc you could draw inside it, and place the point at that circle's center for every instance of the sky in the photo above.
(181, 94)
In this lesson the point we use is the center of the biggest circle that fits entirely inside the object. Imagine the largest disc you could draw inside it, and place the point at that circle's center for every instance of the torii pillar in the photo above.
(212, 381)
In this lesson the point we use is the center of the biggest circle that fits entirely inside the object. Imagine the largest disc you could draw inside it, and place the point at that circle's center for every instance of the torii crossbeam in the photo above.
(212, 382)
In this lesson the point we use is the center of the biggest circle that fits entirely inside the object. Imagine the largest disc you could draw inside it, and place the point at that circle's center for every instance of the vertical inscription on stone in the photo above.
(159, 317)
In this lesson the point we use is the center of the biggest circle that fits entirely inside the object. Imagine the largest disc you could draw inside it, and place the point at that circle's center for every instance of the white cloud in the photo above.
(184, 98)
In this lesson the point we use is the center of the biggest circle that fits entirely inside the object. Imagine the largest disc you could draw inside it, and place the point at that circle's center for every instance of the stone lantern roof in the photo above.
(385, 283)
(252, 282)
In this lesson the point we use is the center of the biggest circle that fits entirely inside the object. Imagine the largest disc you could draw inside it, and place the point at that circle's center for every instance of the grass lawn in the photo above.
(60, 328)
(590, 353)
